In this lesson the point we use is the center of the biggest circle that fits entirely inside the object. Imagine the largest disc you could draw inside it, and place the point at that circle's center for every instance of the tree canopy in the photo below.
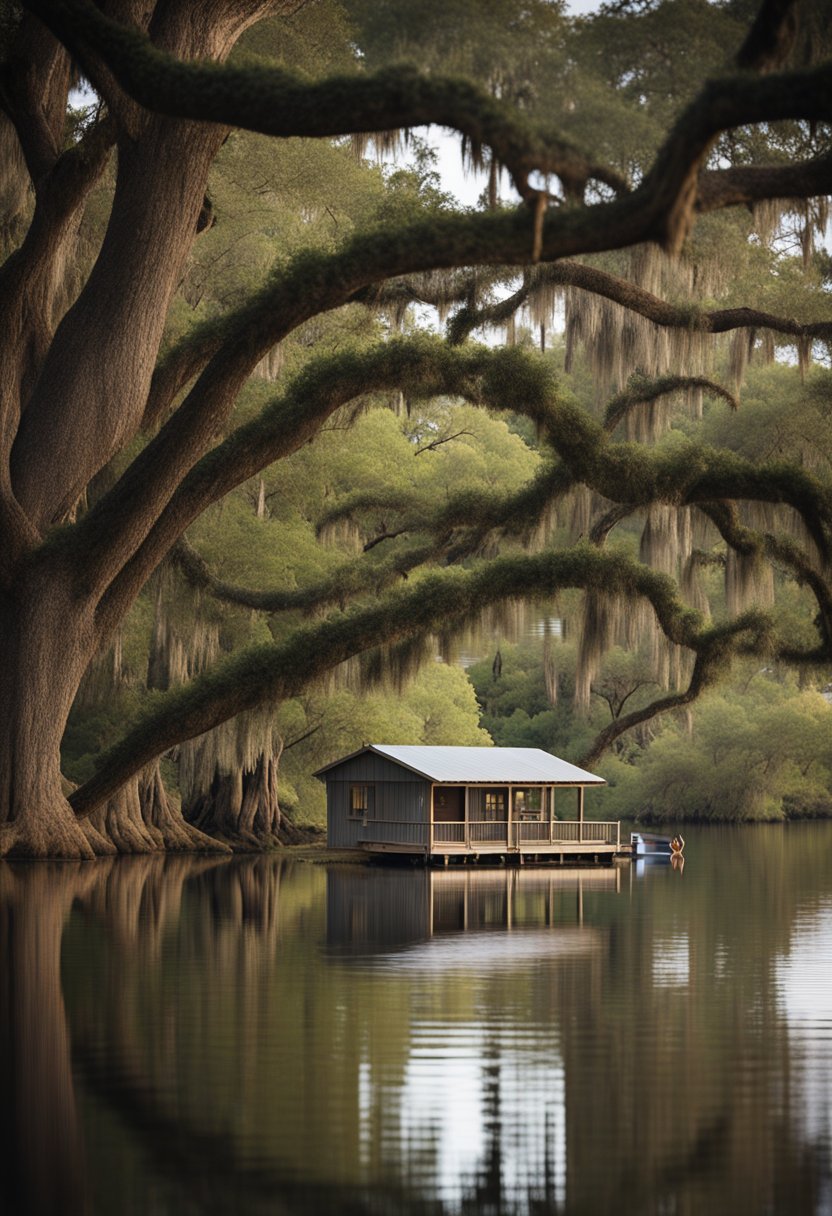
(201, 281)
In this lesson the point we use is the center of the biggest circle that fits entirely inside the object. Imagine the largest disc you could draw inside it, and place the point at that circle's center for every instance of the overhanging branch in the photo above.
(508, 379)
(272, 101)
(349, 581)
(634, 298)
(274, 672)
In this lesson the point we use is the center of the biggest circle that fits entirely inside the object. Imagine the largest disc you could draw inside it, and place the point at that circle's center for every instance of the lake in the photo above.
(187, 1035)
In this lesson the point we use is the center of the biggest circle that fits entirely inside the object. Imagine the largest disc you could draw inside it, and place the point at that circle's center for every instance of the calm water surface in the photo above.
(190, 1036)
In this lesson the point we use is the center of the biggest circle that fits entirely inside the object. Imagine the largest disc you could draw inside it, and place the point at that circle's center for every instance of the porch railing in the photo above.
(449, 833)
(524, 833)
(494, 833)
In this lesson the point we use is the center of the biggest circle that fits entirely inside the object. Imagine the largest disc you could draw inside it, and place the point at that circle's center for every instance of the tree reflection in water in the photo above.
(248, 1036)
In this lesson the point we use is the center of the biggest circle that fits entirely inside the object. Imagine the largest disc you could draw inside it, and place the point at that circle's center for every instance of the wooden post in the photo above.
(430, 837)
(508, 814)
(467, 819)
(580, 813)
(550, 794)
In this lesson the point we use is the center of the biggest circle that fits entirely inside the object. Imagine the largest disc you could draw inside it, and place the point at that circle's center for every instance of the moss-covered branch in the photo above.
(634, 298)
(744, 185)
(273, 101)
(642, 391)
(510, 379)
(349, 581)
(274, 672)
(425, 366)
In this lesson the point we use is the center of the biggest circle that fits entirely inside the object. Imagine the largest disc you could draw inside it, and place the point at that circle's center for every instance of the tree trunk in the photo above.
(142, 818)
(46, 641)
(241, 807)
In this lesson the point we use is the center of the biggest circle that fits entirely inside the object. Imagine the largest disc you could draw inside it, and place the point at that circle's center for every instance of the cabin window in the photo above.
(528, 803)
(361, 801)
(495, 805)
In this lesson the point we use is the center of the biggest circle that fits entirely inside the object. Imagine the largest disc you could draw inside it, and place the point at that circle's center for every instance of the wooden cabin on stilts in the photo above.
(485, 803)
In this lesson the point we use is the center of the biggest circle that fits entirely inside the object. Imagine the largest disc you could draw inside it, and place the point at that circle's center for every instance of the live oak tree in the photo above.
(114, 442)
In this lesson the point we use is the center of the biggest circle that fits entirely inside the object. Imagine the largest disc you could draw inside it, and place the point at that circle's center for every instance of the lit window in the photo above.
(528, 803)
(361, 799)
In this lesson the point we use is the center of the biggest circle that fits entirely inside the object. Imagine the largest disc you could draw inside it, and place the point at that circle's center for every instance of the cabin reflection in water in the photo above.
(369, 911)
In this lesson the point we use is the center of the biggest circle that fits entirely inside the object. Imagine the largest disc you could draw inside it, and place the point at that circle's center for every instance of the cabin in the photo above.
(453, 802)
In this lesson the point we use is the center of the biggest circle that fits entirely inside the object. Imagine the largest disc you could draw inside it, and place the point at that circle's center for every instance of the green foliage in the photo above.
(751, 757)
(517, 711)
(437, 707)
(389, 447)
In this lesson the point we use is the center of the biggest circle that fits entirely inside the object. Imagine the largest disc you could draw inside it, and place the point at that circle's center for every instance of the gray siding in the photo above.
(371, 767)
(400, 811)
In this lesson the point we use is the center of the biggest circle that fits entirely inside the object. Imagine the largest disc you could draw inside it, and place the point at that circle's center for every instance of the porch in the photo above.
(570, 836)
(468, 820)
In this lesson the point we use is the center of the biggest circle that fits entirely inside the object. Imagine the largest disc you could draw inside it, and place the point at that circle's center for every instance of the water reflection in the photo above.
(372, 912)
(191, 1035)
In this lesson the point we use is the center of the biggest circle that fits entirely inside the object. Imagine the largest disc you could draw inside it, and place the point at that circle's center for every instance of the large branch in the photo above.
(274, 672)
(271, 673)
(502, 379)
(275, 102)
(426, 366)
(743, 186)
(348, 582)
(634, 298)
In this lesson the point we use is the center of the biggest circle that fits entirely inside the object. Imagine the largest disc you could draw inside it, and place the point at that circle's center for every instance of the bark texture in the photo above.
(241, 806)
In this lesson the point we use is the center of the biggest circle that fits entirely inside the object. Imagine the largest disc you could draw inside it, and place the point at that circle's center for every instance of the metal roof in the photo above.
(480, 765)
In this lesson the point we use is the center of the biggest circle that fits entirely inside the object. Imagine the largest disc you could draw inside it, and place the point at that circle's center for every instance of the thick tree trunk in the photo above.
(46, 640)
(241, 807)
(142, 818)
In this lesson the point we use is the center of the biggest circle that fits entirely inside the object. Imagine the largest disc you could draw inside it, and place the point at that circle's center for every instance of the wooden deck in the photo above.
(558, 839)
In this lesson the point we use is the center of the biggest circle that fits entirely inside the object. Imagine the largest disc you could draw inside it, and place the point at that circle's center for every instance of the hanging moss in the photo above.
(263, 673)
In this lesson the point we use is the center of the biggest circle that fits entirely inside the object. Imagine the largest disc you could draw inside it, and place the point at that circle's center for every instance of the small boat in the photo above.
(647, 844)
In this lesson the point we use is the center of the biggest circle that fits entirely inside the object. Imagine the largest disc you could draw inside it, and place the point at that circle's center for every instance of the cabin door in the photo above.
(449, 804)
